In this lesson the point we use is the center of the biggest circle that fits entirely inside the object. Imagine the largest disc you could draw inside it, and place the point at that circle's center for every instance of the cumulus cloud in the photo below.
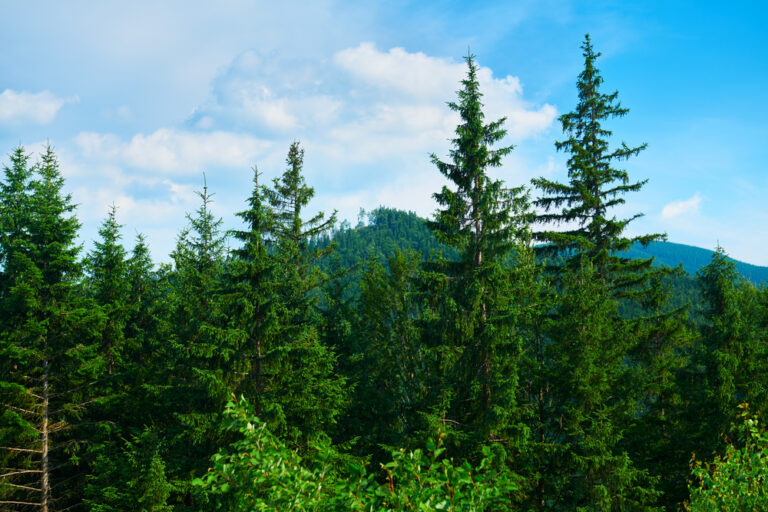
(269, 95)
(368, 119)
(26, 107)
(678, 208)
(362, 104)
(174, 151)
(419, 78)
(413, 74)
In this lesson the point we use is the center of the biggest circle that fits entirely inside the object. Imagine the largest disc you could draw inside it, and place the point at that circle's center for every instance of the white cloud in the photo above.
(27, 107)
(174, 151)
(400, 76)
(678, 208)
(364, 104)
(368, 120)
(413, 74)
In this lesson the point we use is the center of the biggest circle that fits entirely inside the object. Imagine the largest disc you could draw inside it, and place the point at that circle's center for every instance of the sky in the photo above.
(142, 99)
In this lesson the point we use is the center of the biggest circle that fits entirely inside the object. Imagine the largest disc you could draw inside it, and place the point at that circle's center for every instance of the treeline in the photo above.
(525, 363)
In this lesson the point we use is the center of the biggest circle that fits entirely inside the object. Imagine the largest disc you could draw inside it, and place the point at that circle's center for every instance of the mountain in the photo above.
(693, 258)
(389, 229)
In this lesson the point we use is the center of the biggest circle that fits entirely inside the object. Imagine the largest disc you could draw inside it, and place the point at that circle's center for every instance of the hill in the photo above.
(389, 229)
(693, 258)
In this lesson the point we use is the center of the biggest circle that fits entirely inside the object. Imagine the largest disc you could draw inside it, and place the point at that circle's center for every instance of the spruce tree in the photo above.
(46, 340)
(125, 456)
(317, 394)
(595, 186)
(109, 287)
(730, 357)
(14, 211)
(587, 251)
(474, 319)
(586, 469)
(194, 357)
(254, 308)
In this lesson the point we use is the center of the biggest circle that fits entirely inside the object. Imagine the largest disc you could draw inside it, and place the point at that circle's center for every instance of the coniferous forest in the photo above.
(508, 354)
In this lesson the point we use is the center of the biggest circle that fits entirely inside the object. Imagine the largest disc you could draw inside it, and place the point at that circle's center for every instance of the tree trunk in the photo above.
(45, 483)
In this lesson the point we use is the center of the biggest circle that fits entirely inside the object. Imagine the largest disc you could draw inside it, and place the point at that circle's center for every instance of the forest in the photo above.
(517, 351)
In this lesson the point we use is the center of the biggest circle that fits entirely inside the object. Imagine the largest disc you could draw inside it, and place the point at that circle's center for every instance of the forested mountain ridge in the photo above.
(388, 229)
(693, 258)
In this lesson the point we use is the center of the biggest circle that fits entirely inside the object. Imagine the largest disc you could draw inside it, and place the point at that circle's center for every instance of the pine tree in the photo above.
(475, 317)
(45, 339)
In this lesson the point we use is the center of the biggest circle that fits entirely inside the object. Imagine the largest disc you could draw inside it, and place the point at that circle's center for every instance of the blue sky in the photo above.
(140, 98)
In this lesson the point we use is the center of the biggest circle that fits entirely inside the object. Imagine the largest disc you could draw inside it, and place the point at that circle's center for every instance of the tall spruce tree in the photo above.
(475, 315)
(595, 186)
(46, 340)
(593, 353)
(316, 394)
(255, 310)
(195, 358)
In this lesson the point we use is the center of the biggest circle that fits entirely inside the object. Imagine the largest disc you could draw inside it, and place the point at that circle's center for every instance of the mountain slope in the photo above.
(391, 229)
(693, 258)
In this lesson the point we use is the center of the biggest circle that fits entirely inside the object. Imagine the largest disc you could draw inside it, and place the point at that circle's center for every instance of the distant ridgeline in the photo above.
(389, 229)
(693, 258)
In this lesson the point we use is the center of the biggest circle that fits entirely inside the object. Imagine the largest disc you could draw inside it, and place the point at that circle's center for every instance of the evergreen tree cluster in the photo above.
(512, 356)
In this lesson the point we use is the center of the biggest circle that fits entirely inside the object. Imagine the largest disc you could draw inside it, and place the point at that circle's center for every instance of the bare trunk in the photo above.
(45, 483)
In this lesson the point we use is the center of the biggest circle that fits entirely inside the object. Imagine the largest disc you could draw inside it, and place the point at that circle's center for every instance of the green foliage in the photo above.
(258, 472)
(572, 375)
(47, 336)
(595, 186)
(472, 326)
(737, 480)
(129, 476)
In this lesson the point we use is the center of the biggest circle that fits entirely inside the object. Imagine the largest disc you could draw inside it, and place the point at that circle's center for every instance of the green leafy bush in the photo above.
(259, 473)
(737, 480)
